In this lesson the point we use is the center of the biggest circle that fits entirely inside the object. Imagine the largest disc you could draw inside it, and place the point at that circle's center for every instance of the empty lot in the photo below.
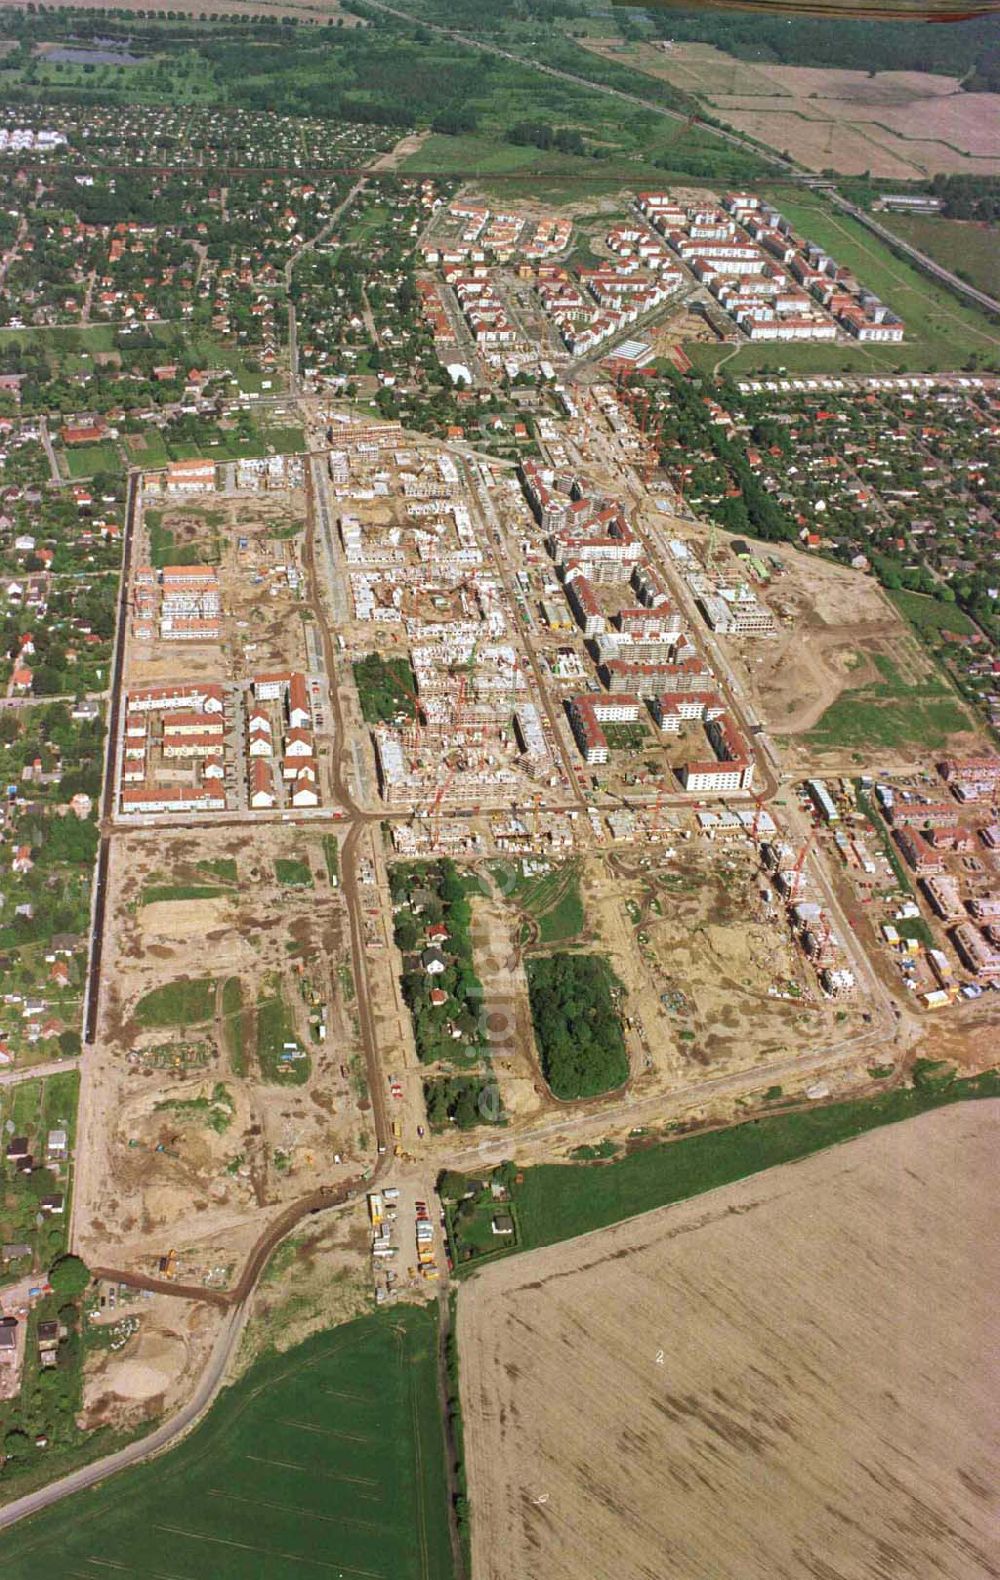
(789, 1377)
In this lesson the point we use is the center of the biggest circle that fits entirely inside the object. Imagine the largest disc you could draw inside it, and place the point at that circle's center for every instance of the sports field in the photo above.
(328, 1460)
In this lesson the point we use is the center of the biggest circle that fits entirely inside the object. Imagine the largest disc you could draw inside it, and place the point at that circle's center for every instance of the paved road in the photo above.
(79, 1480)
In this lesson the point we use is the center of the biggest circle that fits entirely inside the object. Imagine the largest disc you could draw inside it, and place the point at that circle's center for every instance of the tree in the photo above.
(69, 1277)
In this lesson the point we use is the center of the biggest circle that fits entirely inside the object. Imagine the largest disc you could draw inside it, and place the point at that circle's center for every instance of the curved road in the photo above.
(235, 1300)
(89, 1475)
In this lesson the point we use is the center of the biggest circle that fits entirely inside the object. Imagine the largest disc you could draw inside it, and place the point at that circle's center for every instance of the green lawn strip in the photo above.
(224, 869)
(234, 1030)
(331, 855)
(275, 1029)
(180, 891)
(558, 1201)
(187, 1002)
(327, 1459)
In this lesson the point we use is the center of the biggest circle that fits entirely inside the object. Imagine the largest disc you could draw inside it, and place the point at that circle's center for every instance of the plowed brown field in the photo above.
(791, 1377)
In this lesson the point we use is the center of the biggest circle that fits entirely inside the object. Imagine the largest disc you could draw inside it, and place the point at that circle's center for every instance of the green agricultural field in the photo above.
(187, 1002)
(968, 249)
(326, 1461)
(557, 1201)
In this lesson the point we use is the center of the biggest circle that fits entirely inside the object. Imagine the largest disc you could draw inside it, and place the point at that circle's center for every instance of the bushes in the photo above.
(464, 1100)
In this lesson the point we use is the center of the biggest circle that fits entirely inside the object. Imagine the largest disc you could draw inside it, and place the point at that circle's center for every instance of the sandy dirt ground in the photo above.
(162, 1169)
(262, 617)
(790, 1377)
(898, 123)
(153, 1371)
(315, 1279)
(833, 624)
(713, 985)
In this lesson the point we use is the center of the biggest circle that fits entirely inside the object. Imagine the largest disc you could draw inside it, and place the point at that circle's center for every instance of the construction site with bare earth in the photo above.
(535, 1081)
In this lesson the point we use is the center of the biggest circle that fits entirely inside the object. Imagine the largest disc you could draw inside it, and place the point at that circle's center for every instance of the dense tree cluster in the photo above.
(463, 1100)
(577, 1028)
(969, 197)
(965, 49)
(385, 688)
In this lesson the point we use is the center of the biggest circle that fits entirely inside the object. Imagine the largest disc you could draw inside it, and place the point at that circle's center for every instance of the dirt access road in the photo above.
(814, 1351)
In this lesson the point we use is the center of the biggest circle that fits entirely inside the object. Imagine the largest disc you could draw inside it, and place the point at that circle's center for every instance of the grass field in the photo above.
(557, 1201)
(892, 712)
(188, 1002)
(931, 617)
(293, 872)
(232, 1015)
(180, 891)
(148, 449)
(328, 1460)
(971, 251)
(85, 460)
(553, 899)
(274, 1029)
